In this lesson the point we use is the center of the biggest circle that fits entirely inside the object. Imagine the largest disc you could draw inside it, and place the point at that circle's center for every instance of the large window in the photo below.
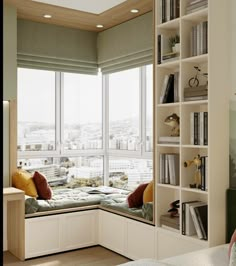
(86, 129)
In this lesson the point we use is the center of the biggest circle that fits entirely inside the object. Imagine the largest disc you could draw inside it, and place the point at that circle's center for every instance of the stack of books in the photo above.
(168, 140)
(169, 169)
(196, 93)
(199, 128)
(194, 219)
(169, 9)
(195, 5)
(170, 88)
(170, 223)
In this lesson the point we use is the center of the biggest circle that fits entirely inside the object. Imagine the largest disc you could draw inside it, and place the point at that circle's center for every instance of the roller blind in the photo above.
(127, 45)
(57, 48)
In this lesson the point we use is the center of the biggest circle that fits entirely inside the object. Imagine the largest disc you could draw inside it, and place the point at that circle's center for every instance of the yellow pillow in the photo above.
(24, 181)
(148, 193)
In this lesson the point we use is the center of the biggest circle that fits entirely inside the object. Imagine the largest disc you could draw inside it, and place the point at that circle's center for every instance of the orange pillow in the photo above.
(43, 188)
(135, 199)
(233, 239)
(23, 180)
(148, 193)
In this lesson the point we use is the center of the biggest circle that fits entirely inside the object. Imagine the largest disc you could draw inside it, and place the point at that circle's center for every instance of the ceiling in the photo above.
(81, 14)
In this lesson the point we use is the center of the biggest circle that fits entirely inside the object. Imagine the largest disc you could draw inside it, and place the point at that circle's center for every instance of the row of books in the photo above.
(198, 40)
(194, 219)
(195, 5)
(199, 128)
(169, 168)
(169, 9)
(164, 52)
(170, 87)
(196, 93)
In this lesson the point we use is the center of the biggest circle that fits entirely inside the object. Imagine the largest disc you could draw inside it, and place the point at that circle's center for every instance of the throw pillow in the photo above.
(43, 188)
(135, 199)
(23, 180)
(232, 260)
(148, 193)
(232, 241)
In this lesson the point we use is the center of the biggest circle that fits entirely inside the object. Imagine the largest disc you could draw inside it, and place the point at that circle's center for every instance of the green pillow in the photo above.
(31, 205)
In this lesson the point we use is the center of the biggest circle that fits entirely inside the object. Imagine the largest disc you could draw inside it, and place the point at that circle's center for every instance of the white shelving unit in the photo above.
(216, 64)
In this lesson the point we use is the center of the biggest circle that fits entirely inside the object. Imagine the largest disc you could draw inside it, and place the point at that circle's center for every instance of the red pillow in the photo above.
(42, 186)
(233, 239)
(135, 199)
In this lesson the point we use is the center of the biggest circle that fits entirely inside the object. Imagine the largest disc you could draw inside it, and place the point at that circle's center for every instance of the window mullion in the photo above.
(58, 124)
(105, 105)
(61, 118)
(143, 108)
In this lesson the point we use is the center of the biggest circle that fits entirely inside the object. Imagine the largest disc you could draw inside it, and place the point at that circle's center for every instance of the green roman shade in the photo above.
(127, 45)
(57, 48)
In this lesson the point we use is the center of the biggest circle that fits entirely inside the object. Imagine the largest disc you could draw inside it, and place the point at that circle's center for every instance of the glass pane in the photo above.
(128, 173)
(82, 111)
(36, 110)
(124, 110)
(149, 108)
(67, 172)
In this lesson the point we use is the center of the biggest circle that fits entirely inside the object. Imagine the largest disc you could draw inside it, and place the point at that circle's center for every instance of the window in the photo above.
(124, 114)
(82, 112)
(86, 129)
(36, 110)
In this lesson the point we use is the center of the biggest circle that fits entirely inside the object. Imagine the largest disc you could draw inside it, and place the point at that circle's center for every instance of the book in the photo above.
(201, 213)
(205, 122)
(159, 49)
(195, 219)
(169, 92)
(167, 176)
(192, 128)
(168, 139)
(176, 87)
(173, 164)
(163, 89)
(188, 227)
(162, 168)
(195, 98)
(203, 169)
(196, 127)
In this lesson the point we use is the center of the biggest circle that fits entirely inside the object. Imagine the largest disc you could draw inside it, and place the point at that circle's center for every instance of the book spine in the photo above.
(163, 11)
(183, 217)
(163, 90)
(162, 168)
(196, 126)
(203, 178)
(201, 127)
(167, 10)
(176, 87)
(169, 93)
(192, 128)
(167, 178)
(190, 228)
(205, 122)
(159, 49)
(200, 222)
(177, 8)
(195, 221)
(171, 9)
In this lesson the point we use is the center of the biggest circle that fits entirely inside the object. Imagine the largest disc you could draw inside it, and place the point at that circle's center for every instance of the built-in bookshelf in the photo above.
(193, 83)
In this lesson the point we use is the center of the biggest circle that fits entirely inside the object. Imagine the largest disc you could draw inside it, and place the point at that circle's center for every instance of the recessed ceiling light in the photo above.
(134, 10)
(99, 26)
(47, 16)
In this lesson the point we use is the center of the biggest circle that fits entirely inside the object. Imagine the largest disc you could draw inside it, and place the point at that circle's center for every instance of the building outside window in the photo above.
(86, 130)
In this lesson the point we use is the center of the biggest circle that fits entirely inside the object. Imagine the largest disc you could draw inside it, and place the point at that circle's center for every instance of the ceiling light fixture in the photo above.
(99, 26)
(47, 16)
(134, 10)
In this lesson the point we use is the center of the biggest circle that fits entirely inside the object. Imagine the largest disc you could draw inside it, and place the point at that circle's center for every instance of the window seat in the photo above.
(66, 200)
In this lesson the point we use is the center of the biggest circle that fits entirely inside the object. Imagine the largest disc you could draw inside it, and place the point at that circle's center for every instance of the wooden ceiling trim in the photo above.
(27, 9)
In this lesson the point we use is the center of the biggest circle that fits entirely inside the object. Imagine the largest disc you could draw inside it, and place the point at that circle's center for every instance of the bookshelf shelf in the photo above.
(200, 28)
(170, 25)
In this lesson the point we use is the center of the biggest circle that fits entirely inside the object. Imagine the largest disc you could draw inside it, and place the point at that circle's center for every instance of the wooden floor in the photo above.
(93, 256)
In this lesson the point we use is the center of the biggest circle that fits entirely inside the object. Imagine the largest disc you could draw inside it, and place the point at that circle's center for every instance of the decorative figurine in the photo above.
(197, 176)
(173, 121)
(174, 208)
